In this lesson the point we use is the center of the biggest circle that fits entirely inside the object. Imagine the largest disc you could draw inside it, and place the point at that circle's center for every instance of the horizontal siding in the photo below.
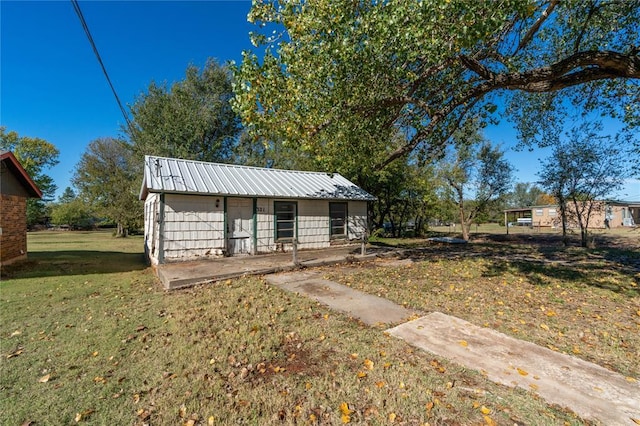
(264, 222)
(357, 219)
(313, 224)
(193, 227)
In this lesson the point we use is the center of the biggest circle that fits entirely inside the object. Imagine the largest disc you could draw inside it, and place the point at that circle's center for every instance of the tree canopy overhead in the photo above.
(192, 119)
(341, 77)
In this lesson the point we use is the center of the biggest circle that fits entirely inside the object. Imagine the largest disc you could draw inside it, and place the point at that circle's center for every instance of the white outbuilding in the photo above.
(197, 210)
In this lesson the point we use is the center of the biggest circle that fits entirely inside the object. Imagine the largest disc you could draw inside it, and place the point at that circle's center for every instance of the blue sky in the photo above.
(52, 86)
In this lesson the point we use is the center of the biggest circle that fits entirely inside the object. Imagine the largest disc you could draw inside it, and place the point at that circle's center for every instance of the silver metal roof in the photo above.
(173, 175)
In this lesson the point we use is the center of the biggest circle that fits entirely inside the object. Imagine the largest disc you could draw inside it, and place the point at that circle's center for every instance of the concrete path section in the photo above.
(589, 390)
(369, 309)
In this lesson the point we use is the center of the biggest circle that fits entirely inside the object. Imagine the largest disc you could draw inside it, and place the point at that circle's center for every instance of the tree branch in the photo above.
(536, 25)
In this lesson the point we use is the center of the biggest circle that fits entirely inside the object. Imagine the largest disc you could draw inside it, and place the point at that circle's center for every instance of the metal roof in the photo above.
(172, 175)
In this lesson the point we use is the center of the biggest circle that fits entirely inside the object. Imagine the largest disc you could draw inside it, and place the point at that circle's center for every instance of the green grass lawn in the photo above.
(88, 336)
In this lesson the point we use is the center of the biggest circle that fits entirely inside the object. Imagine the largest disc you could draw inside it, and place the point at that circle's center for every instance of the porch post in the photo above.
(294, 243)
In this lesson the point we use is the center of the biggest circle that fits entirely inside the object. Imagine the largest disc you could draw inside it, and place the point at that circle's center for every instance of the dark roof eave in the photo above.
(22, 175)
(147, 191)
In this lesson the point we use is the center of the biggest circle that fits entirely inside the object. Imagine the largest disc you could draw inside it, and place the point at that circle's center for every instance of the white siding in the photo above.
(265, 237)
(313, 224)
(193, 227)
(356, 219)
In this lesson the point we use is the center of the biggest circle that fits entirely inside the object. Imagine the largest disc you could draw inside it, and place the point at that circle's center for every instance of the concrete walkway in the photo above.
(371, 310)
(592, 392)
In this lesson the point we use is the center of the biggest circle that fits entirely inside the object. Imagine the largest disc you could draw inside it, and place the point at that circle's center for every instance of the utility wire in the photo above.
(76, 7)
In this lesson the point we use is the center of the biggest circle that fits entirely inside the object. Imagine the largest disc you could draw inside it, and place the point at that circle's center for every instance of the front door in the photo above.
(239, 225)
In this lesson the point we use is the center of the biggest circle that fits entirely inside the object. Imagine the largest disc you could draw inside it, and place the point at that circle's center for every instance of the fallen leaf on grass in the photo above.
(83, 416)
(392, 417)
(380, 385)
(484, 410)
(522, 372)
(45, 378)
(631, 379)
(489, 421)
(368, 364)
(143, 414)
(344, 408)
(15, 353)
(463, 343)
(361, 374)
(544, 326)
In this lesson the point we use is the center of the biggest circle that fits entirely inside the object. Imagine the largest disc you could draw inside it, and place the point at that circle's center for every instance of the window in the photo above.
(539, 212)
(338, 219)
(285, 220)
(552, 212)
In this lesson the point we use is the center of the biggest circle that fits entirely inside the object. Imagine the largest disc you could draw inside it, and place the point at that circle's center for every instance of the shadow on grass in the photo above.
(73, 262)
(614, 265)
(606, 269)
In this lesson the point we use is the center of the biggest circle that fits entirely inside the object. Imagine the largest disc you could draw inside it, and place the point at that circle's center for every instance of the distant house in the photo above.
(197, 210)
(15, 187)
(616, 214)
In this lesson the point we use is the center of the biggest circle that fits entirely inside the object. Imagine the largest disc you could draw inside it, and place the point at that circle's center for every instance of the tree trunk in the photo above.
(464, 225)
(122, 231)
(563, 219)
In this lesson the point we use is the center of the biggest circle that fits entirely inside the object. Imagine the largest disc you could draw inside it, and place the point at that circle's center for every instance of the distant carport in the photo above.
(512, 215)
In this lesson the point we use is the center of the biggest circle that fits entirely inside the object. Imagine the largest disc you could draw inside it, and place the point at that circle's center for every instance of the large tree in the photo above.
(477, 177)
(192, 119)
(339, 77)
(585, 167)
(108, 176)
(36, 156)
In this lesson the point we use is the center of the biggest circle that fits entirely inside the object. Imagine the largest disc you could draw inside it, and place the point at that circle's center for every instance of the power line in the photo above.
(76, 7)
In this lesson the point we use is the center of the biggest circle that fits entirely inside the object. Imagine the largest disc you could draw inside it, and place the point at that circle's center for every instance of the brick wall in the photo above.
(13, 221)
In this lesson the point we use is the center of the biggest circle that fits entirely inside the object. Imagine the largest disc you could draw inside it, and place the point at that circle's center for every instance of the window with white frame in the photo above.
(539, 212)
(552, 212)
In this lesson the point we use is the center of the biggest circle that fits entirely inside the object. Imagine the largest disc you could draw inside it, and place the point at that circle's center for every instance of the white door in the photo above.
(239, 225)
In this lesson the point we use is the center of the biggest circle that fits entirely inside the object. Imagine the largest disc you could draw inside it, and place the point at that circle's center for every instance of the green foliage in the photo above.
(67, 196)
(526, 194)
(584, 167)
(477, 178)
(74, 213)
(36, 156)
(192, 119)
(108, 176)
(340, 78)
